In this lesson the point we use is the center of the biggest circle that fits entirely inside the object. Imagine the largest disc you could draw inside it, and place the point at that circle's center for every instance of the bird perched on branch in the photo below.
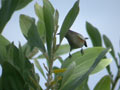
(75, 40)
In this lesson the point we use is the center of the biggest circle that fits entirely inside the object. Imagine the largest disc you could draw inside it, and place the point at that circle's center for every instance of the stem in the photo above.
(50, 61)
(54, 41)
(116, 61)
(49, 75)
(116, 80)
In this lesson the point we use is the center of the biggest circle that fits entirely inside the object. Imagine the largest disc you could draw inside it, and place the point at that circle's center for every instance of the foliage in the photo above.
(18, 73)
(107, 42)
(8, 8)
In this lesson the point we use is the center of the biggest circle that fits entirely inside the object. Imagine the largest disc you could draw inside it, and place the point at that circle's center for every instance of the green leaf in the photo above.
(94, 34)
(29, 30)
(103, 84)
(40, 23)
(34, 38)
(56, 18)
(63, 49)
(39, 67)
(41, 29)
(69, 20)
(84, 66)
(6, 11)
(109, 44)
(12, 78)
(60, 60)
(27, 70)
(22, 3)
(90, 54)
(103, 63)
(49, 24)
(68, 72)
(15, 56)
(39, 11)
(3, 43)
(18, 60)
(83, 86)
(48, 4)
(29, 51)
(25, 24)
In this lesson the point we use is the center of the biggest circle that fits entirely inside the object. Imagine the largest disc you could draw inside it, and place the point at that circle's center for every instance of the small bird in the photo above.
(75, 41)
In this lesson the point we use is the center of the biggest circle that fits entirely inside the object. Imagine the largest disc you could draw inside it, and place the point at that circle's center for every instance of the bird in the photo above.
(75, 40)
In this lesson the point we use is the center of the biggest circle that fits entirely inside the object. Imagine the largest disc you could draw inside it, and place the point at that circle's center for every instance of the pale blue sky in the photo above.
(103, 14)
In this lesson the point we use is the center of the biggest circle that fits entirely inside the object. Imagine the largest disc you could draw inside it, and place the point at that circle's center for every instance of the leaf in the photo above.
(22, 3)
(103, 63)
(90, 54)
(12, 54)
(95, 38)
(68, 72)
(29, 30)
(84, 66)
(109, 44)
(40, 23)
(29, 51)
(69, 20)
(94, 34)
(41, 29)
(103, 84)
(39, 11)
(15, 56)
(8, 8)
(49, 24)
(48, 3)
(60, 60)
(3, 44)
(39, 67)
(56, 18)
(63, 49)
(25, 24)
(17, 59)
(83, 86)
(34, 38)
(27, 70)
(3, 41)
(12, 78)
(6, 11)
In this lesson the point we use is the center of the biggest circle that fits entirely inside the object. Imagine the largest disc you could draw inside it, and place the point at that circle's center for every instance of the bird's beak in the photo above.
(86, 38)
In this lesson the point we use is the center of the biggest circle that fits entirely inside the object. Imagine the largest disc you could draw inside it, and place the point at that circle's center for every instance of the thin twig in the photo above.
(116, 80)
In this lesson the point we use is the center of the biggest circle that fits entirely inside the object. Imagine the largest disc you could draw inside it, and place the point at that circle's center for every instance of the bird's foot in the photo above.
(70, 55)
(82, 52)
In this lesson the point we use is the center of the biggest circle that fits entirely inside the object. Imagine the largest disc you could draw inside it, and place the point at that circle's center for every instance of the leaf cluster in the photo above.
(19, 73)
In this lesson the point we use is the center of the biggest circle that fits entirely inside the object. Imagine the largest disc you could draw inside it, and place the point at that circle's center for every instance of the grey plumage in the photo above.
(75, 40)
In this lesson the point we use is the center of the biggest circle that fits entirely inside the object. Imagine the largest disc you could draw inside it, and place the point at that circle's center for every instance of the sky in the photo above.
(103, 14)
